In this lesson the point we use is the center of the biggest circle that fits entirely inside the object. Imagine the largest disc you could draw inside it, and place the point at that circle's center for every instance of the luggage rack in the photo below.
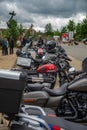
(32, 107)
(31, 121)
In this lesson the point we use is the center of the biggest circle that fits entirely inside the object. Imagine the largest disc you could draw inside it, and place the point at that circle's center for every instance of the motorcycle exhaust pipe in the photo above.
(40, 80)
(36, 79)
(75, 116)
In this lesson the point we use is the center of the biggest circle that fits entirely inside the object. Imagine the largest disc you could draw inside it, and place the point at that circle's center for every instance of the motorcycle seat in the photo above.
(56, 92)
(37, 86)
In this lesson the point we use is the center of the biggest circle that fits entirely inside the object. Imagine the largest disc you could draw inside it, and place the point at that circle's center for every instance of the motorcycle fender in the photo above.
(53, 102)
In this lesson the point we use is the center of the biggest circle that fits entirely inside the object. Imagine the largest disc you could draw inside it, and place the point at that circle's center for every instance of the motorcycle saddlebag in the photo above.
(11, 88)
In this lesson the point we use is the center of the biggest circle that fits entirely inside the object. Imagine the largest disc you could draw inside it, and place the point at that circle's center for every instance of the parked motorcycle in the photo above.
(11, 89)
(69, 101)
(10, 98)
(50, 70)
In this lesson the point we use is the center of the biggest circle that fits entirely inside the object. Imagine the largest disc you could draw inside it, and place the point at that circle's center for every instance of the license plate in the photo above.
(23, 61)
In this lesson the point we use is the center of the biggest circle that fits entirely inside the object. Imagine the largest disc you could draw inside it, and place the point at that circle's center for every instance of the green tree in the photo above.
(21, 29)
(78, 31)
(57, 32)
(64, 30)
(48, 29)
(84, 28)
(13, 30)
(71, 25)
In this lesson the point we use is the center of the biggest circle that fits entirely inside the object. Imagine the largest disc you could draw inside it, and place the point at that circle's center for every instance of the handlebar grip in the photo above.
(78, 72)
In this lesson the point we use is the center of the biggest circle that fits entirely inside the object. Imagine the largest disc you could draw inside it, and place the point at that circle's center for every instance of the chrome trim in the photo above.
(9, 74)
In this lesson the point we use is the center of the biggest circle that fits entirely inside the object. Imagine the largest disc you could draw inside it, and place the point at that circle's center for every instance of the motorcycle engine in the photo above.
(73, 108)
(82, 106)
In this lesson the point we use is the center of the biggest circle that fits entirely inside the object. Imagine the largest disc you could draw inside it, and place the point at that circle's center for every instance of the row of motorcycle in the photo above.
(51, 82)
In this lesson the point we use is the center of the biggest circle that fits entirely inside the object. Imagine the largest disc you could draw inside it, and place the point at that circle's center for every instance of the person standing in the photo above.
(18, 43)
(11, 45)
(4, 46)
(23, 41)
(40, 41)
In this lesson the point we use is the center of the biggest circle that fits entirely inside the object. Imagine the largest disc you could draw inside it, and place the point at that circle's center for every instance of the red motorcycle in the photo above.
(43, 74)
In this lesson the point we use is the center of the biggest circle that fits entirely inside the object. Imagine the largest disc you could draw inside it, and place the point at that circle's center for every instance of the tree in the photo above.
(71, 25)
(21, 29)
(48, 29)
(13, 30)
(84, 28)
(57, 32)
(78, 31)
(64, 30)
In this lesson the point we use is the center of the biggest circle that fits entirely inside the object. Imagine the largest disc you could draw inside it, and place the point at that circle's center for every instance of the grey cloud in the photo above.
(27, 9)
(61, 8)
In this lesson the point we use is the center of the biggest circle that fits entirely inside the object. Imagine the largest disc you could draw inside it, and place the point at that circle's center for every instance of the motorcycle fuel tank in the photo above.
(47, 68)
(79, 86)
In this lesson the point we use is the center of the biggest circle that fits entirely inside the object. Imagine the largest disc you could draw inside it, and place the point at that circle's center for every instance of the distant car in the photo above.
(84, 41)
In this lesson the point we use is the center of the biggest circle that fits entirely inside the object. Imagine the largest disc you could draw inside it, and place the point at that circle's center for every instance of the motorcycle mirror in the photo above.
(72, 69)
(43, 57)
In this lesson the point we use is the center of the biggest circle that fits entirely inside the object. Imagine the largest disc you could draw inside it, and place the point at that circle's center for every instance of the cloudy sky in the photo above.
(41, 12)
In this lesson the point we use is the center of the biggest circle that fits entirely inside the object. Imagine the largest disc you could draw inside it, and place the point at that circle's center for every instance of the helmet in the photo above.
(50, 45)
(40, 51)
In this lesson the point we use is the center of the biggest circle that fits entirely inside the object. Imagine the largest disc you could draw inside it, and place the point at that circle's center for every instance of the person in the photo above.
(23, 41)
(11, 45)
(18, 43)
(30, 41)
(40, 41)
(4, 46)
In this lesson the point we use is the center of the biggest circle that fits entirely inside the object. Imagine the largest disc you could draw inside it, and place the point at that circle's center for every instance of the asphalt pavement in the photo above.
(77, 51)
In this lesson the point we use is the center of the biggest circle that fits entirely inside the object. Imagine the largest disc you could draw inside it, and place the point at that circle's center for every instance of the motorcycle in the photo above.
(11, 90)
(25, 60)
(69, 101)
(17, 114)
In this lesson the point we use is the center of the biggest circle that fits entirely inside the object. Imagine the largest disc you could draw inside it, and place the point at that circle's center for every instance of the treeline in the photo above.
(79, 29)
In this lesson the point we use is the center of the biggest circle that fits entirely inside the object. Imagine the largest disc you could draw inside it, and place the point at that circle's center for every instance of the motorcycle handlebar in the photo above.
(76, 73)
(65, 57)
